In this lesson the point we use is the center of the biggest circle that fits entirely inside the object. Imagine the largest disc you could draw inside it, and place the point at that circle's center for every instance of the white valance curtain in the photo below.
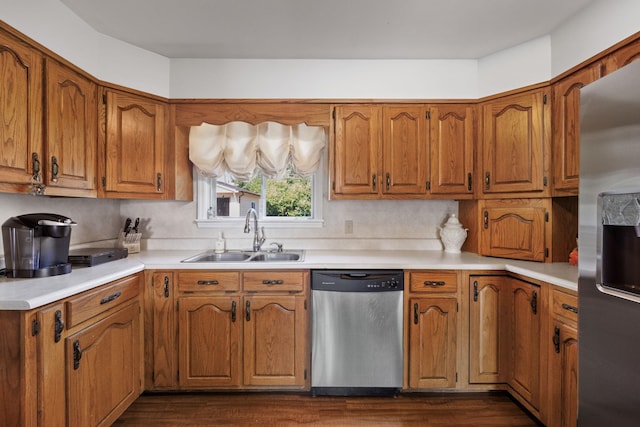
(242, 149)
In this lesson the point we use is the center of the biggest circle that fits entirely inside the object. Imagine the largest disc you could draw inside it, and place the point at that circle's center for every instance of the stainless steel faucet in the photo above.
(257, 239)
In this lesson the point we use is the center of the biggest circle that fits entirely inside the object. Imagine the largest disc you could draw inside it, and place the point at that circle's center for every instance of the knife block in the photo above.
(130, 241)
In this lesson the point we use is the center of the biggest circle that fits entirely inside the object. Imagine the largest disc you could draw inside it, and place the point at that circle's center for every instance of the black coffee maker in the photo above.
(37, 245)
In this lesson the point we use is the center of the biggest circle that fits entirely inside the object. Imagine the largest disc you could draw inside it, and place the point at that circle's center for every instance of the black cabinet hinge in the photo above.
(104, 98)
(544, 98)
(333, 114)
(35, 328)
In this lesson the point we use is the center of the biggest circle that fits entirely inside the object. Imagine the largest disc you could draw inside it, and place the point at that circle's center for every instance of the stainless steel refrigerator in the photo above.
(609, 248)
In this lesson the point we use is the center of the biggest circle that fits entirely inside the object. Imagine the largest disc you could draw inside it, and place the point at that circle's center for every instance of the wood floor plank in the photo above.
(283, 409)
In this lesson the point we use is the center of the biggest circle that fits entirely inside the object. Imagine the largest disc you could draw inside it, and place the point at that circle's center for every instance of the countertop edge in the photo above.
(28, 294)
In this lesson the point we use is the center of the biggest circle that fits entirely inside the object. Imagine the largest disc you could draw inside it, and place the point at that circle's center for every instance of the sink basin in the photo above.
(243, 256)
(210, 256)
(276, 256)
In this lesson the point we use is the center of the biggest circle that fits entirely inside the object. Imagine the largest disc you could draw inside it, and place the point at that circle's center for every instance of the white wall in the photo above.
(377, 79)
(593, 30)
(53, 25)
(523, 65)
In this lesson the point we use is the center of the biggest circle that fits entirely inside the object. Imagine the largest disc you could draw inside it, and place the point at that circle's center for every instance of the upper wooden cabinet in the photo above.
(452, 141)
(71, 132)
(402, 151)
(356, 151)
(134, 146)
(21, 91)
(516, 144)
(566, 129)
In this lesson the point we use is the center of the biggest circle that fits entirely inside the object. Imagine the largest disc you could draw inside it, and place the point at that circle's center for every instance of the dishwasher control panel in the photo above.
(357, 280)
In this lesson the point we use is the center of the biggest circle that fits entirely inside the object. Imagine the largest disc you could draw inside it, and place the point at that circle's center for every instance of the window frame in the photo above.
(205, 189)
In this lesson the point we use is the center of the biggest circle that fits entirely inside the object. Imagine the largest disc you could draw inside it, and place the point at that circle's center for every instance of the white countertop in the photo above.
(26, 294)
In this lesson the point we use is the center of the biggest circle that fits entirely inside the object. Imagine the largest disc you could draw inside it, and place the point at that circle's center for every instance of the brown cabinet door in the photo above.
(563, 378)
(162, 332)
(21, 95)
(452, 149)
(135, 145)
(488, 333)
(524, 372)
(71, 132)
(51, 362)
(209, 341)
(405, 149)
(566, 129)
(103, 368)
(432, 342)
(513, 228)
(275, 341)
(515, 144)
(357, 150)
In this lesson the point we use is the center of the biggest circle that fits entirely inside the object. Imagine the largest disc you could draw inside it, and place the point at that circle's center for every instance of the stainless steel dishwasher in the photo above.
(356, 332)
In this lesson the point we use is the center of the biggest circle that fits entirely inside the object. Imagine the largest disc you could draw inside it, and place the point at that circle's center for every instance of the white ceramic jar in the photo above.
(453, 235)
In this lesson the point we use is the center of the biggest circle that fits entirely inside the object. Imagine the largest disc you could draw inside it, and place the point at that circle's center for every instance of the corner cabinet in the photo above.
(233, 330)
(516, 144)
(134, 146)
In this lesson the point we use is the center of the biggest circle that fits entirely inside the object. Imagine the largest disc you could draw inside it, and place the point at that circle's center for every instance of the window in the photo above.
(292, 201)
(274, 168)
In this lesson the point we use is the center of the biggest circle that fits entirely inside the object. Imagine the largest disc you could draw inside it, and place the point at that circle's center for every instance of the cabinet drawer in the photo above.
(102, 299)
(565, 305)
(261, 281)
(226, 281)
(433, 282)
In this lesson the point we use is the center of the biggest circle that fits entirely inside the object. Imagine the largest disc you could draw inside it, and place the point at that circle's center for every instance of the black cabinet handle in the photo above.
(475, 290)
(487, 180)
(415, 313)
(435, 283)
(55, 169)
(373, 182)
(247, 311)
(534, 302)
(208, 282)
(58, 326)
(272, 282)
(556, 339)
(388, 181)
(35, 162)
(469, 182)
(110, 298)
(233, 311)
(570, 308)
(77, 354)
(166, 286)
(486, 220)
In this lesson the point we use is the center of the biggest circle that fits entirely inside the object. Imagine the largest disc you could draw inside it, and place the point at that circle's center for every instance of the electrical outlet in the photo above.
(348, 226)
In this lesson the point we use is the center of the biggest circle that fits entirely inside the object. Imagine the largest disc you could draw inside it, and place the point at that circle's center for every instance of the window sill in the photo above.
(267, 223)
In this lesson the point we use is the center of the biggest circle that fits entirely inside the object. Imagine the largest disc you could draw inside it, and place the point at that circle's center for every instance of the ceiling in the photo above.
(325, 29)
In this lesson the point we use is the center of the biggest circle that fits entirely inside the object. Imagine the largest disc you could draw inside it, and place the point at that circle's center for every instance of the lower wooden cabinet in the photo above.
(525, 324)
(232, 329)
(103, 368)
(82, 372)
(488, 334)
(563, 361)
(431, 314)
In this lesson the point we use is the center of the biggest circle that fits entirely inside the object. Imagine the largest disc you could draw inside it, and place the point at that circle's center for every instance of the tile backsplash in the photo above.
(379, 224)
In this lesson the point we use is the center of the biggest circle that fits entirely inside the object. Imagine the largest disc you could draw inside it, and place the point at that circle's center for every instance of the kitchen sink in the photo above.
(277, 256)
(244, 256)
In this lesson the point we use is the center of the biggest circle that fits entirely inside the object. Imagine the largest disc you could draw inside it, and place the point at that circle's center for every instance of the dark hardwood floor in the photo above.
(282, 409)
